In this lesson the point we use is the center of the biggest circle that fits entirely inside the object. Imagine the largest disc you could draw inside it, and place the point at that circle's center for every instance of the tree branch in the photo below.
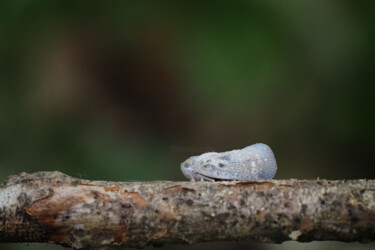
(56, 208)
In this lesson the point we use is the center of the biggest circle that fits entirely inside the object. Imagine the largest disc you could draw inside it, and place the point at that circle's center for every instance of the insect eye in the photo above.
(186, 164)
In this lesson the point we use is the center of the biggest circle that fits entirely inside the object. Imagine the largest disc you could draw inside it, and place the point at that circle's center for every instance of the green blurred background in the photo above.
(127, 90)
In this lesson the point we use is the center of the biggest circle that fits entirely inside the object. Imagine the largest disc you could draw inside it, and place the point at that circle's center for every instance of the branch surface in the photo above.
(56, 208)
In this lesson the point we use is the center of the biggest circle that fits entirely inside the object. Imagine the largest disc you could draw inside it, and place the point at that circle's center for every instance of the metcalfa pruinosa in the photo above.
(255, 162)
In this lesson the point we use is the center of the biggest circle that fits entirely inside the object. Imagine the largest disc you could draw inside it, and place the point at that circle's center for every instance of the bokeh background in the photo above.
(127, 90)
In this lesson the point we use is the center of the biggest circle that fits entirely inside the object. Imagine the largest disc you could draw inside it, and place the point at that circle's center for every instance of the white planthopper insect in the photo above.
(255, 162)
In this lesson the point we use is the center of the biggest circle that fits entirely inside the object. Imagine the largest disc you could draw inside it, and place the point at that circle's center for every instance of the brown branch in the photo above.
(53, 207)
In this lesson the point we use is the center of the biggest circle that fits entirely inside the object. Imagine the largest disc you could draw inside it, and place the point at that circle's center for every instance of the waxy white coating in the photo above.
(255, 162)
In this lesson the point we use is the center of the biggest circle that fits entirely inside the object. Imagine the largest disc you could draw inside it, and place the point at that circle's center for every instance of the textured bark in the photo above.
(56, 208)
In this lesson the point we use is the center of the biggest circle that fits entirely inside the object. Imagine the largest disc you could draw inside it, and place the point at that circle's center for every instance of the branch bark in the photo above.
(56, 208)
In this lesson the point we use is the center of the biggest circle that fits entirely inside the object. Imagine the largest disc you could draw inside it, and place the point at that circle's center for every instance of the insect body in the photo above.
(255, 162)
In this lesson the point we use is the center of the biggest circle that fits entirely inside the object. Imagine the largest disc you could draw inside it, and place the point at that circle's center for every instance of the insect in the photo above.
(255, 162)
